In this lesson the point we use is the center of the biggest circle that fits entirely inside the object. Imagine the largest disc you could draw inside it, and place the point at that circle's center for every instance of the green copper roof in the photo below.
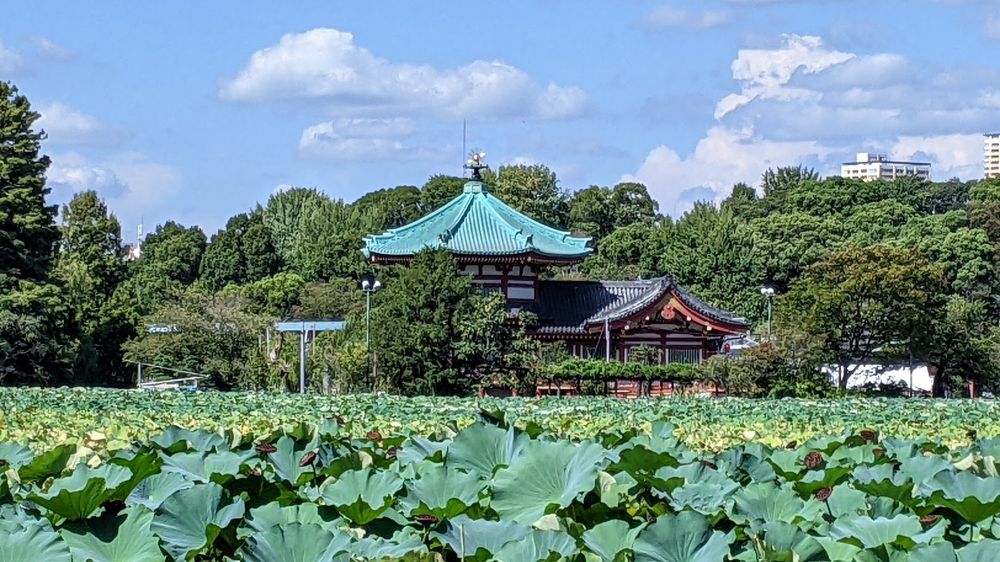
(477, 223)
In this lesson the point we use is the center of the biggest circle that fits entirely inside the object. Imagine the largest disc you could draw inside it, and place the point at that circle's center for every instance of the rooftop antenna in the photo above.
(476, 163)
(463, 146)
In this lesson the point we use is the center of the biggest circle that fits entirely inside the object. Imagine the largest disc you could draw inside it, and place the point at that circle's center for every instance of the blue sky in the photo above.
(196, 111)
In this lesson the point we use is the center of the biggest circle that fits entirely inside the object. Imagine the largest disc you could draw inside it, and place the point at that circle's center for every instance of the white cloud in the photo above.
(668, 17)
(10, 59)
(802, 102)
(993, 27)
(131, 183)
(50, 50)
(325, 66)
(952, 155)
(65, 125)
(722, 158)
(766, 73)
(357, 139)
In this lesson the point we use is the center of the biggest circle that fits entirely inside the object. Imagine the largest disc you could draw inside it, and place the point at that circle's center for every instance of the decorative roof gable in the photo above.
(476, 223)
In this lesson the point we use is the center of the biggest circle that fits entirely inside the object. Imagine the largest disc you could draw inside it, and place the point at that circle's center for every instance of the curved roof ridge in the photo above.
(554, 233)
(456, 221)
(488, 201)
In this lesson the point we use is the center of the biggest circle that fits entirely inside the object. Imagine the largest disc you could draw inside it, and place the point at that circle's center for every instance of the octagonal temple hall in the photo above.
(505, 251)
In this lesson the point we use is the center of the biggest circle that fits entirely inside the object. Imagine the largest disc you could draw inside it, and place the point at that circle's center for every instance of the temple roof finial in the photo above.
(476, 163)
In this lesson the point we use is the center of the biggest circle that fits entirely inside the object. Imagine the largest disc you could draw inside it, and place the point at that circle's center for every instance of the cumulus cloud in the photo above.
(327, 67)
(765, 73)
(10, 59)
(669, 17)
(954, 155)
(358, 139)
(722, 158)
(804, 103)
(65, 125)
(131, 183)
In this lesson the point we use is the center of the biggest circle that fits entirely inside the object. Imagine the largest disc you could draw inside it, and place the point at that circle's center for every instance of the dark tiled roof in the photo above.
(569, 306)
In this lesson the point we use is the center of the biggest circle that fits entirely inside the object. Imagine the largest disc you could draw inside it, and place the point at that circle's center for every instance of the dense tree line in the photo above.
(864, 271)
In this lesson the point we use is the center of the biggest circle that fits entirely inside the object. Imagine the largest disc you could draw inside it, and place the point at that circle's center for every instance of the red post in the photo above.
(972, 389)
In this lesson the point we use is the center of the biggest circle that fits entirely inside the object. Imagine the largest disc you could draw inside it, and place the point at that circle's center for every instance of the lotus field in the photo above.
(492, 492)
(103, 421)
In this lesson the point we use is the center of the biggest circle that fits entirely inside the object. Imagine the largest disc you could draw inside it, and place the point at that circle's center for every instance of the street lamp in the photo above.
(369, 285)
(768, 293)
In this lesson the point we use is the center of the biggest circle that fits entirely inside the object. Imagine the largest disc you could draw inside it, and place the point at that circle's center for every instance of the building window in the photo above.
(687, 356)
(487, 290)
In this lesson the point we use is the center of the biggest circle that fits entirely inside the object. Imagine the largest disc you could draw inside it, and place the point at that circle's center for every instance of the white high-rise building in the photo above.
(869, 166)
(991, 156)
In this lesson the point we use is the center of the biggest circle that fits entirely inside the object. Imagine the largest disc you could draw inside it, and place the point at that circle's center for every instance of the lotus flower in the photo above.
(813, 460)
(823, 494)
(266, 448)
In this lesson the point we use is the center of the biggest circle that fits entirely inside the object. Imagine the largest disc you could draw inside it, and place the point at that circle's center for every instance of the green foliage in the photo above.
(439, 189)
(600, 370)
(27, 223)
(240, 253)
(531, 189)
(491, 347)
(275, 295)
(91, 266)
(598, 211)
(398, 206)
(413, 325)
(628, 491)
(211, 334)
(37, 335)
(863, 299)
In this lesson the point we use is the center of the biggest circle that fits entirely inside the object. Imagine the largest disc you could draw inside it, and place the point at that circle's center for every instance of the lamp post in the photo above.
(369, 285)
(768, 294)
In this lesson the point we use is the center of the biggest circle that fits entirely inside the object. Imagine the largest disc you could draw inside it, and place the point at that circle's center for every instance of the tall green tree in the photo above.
(439, 189)
(490, 348)
(397, 206)
(599, 210)
(533, 190)
(863, 300)
(413, 326)
(37, 335)
(91, 265)
(240, 253)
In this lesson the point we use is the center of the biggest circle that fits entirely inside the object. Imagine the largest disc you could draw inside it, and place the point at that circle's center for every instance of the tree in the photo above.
(90, 266)
(959, 347)
(742, 202)
(984, 208)
(590, 212)
(711, 253)
(37, 336)
(240, 253)
(210, 334)
(440, 189)
(331, 240)
(284, 216)
(27, 224)
(863, 300)
(629, 252)
(398, 206)
(785, 244)
(599, 211)
(778, 183)
(531, 189)
(490, 347)
(174, 251)
(413, 326)
(631, 203)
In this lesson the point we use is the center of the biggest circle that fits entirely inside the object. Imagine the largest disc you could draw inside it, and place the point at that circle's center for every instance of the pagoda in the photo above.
(506, 252)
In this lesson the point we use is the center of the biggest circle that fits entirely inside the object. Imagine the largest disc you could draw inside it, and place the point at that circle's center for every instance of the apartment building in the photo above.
(869, 166)
(991, 156)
